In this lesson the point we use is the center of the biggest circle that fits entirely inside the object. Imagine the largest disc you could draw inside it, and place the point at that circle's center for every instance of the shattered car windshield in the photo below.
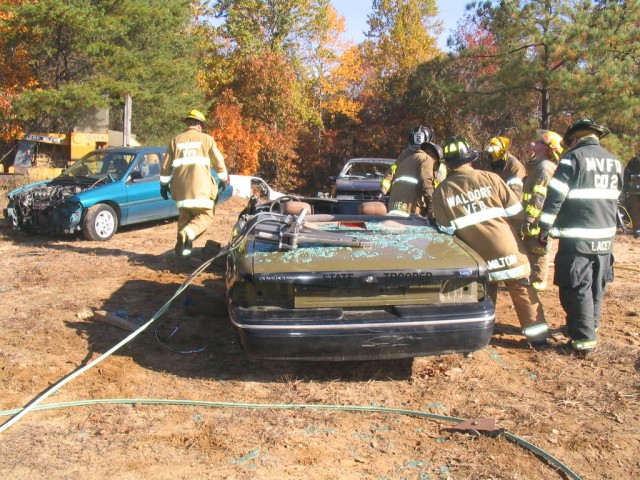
(365, 170)
(100, 164)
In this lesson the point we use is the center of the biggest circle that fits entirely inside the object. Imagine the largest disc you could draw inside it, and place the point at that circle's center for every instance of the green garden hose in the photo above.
(259, 406)
(34, 404)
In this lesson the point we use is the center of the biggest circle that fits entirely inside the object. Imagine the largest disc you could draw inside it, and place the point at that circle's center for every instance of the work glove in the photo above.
(379, 194)
(525, 229)
(543, 237)
(164, 191)
(222, 186)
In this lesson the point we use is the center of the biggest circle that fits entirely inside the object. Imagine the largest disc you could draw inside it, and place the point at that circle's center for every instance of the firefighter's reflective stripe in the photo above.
(547, 218)
(539, 286)
(514, 181)
(185, 161)
(534, 232)
(533, 211)
(411, 180)
(478, 217)
(594, 193)
(584, 344)
(514, 209)
(589, 233)
(190, 233)
(566, 161)
(541, 189)
(165, 179)
(386, 184)
(195, 203)
(399, 213)
(560, 187)
(181, 146)
(535, 330)
(526, 197)
(509, 274)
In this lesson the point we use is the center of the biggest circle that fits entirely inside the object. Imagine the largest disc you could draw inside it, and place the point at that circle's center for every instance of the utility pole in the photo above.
(126, 133)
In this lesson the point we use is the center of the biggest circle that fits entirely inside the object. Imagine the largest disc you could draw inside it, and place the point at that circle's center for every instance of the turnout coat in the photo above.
(410, 182)
(187, 167)
(480, 209)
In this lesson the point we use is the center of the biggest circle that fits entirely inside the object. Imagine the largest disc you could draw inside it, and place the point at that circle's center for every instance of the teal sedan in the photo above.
(103, 190)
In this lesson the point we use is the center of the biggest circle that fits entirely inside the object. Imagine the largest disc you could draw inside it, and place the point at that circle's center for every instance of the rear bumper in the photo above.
(337, 334)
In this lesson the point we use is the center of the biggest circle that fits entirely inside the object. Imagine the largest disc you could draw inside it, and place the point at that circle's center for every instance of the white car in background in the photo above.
(245, 186)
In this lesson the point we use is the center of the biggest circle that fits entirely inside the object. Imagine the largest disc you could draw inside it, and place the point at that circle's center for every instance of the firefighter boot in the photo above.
(183, 244)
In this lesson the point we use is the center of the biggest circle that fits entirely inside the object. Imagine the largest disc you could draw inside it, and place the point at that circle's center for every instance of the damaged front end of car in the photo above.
(46, 207)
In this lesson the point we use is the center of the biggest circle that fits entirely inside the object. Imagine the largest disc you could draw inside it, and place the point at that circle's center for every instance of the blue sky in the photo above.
(355, 13)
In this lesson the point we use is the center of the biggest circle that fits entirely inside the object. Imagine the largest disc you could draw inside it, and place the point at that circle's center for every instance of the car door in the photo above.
(143, 191)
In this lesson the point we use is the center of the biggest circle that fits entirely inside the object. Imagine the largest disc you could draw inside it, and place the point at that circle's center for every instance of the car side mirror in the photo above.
(135, 175)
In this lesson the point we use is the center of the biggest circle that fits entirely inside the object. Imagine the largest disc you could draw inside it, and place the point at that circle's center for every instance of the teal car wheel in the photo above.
(100, 223)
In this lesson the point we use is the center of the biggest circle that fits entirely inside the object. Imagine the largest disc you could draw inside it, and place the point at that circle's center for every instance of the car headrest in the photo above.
(294, 208)
(372, 208)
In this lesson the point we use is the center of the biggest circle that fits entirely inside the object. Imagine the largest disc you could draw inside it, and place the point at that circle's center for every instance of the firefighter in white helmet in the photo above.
(480, 209)
(507, 166)
(410, 180)
(186, 174)
(547, 150)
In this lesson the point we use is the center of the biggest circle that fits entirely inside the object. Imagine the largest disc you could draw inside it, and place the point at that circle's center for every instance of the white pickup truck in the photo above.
(245, 186)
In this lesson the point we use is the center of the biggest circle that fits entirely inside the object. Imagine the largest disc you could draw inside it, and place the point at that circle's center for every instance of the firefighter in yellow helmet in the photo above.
(507, 166)
(186, 174)
(481, 210)
(547, 150)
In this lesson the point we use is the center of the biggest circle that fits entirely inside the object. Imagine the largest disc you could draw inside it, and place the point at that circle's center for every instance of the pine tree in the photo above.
(85, 55)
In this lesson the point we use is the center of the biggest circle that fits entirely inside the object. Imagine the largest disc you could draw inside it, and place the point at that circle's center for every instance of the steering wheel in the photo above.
(275, 205)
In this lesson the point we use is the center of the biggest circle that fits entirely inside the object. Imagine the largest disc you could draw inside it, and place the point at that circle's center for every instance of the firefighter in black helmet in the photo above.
(481, 210)
(580, 210)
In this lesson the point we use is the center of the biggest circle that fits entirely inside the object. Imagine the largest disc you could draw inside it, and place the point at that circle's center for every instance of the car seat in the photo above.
(294, 207)
(372, 208)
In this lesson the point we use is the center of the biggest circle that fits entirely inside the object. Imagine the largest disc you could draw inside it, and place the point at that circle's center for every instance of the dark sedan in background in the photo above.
(360, 178)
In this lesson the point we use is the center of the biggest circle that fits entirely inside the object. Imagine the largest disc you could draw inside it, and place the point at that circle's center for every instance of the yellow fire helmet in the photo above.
(497, 148)
(196, 115)
(553, 140)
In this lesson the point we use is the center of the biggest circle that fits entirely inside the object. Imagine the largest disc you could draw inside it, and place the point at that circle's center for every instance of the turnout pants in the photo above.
(539, 259)
(582, 280)
(194, 221)
(527, 305)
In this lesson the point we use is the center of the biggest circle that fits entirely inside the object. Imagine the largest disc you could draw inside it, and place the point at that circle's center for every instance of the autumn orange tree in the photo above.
(15, 75)
(266, 67)
(402, 35)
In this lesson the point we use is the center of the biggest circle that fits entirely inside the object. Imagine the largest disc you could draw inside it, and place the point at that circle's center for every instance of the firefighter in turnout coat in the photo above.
(479, 208)
(410, 179)
(186, 173)
(546, 154)
(581, 209)
(506, 165)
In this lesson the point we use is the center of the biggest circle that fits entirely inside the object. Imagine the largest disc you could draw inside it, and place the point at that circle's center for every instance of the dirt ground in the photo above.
(584, 412)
